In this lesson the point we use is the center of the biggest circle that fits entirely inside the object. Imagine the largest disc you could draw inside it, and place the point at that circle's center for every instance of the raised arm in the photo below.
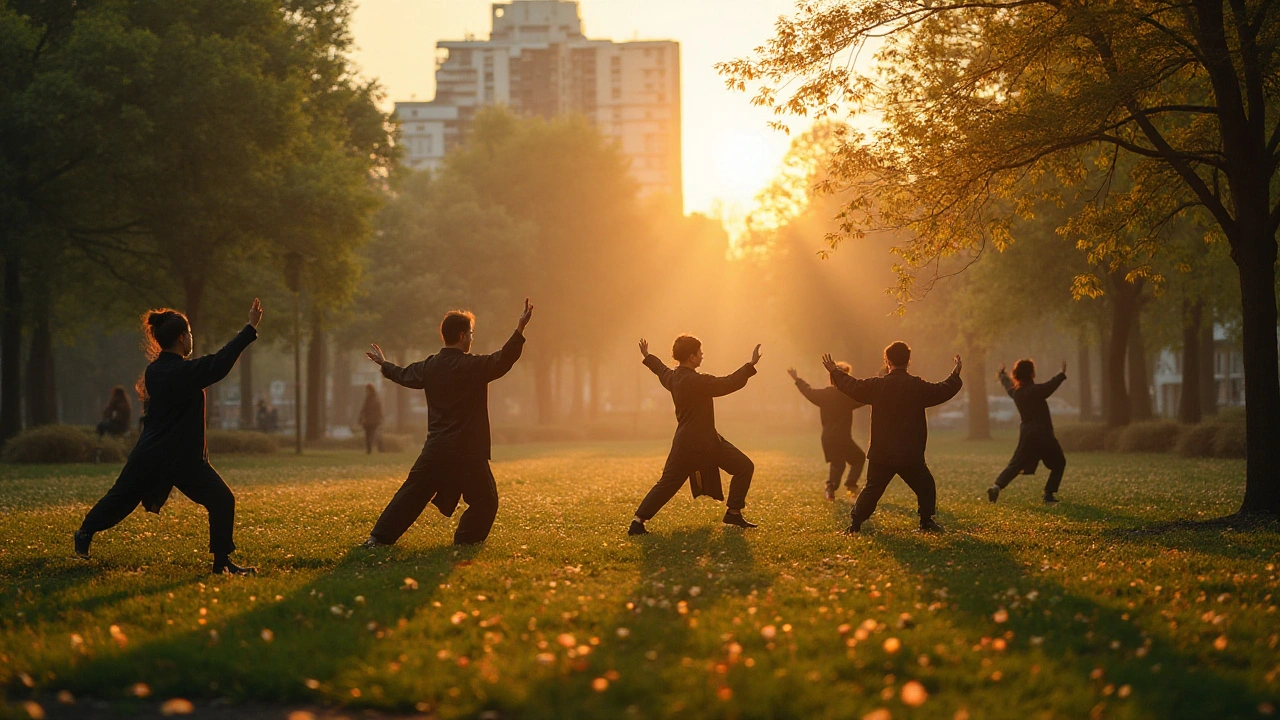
(804, 388)
(721, 386)
(659, 368)
(1046, 389)
(860, 390)
(413, 376)
(1005, 380)
(209, 369)
(495, 365)
(940, 392)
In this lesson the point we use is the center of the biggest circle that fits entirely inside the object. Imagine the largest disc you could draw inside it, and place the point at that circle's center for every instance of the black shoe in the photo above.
(82, 544)
(637, 528)
(372, 543)
(855, 527)
(929, 526)
(226, 567)
(993, 493)
(736, 520)
(831, 497)
(1050, 500)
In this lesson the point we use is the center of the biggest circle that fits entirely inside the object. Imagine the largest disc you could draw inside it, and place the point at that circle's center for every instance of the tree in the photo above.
(976, 97)
(589, 257)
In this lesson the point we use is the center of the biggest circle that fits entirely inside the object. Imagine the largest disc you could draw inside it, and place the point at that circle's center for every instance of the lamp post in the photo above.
(293, 278)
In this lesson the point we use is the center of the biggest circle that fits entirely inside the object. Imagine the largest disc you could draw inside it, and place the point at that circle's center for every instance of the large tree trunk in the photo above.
(1255, 257)
(42, 391)
(542, 389)
(1189, 402)
(1208, 373)
(979, 410)
(1139, 375)
(1124, 306)
(245, 363)
(317, 372)
(11, 352)
(1085, 373)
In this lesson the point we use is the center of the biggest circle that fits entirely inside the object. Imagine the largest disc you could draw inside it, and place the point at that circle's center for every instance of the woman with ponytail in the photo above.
(171, 450)
(1036, 440)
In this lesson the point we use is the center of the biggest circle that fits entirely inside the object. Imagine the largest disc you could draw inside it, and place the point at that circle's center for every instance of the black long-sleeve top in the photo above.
(1032, 400)
(457, 389)
(899, 428)
(173, 427)
(694, 393)
(834, 408)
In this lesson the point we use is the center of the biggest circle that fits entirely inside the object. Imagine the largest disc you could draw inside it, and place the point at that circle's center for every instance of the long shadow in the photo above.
(659, 637)
(307, 643)
(976, 571)
(1183, 535)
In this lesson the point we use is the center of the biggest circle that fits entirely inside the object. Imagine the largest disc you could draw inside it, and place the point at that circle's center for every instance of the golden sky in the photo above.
(729, 153)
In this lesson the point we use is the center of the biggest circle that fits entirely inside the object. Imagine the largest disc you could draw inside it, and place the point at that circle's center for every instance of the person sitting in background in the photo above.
(838, 447)
(371, 417)
(1036, 440)
(118, 414)
(262, 417)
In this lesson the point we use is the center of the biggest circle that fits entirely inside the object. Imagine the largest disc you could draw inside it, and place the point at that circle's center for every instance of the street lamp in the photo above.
(293, 278)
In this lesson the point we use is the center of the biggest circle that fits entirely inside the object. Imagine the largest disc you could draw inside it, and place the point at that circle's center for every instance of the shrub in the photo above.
(391, 442)
(1196, 440)
(1082, 437)
(62, 444)
(1152, 436)
(1228, 441)
(240, 442)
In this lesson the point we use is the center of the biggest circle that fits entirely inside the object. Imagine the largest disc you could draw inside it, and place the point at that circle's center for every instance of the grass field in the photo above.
(1017, 611)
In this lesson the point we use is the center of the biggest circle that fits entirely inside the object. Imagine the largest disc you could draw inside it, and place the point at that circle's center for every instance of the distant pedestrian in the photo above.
(1036, 440)
(171, 451)
(371, 418)
(838, 447)
(899, 431)
(262, 416)
(118, 414)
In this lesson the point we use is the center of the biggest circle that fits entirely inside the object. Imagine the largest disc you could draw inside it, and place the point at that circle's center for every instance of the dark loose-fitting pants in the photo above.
(879, 475)
(479, 491)
(848, 455)
(728, 458)
(1031, 451)
(370, 438)
(201, 483)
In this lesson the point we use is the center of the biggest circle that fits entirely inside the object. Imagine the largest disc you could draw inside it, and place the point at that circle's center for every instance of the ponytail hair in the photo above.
(161, 328)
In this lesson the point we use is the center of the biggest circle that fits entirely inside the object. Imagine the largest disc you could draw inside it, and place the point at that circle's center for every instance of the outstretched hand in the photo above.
(255, 312)
(1064, 367)
(792, 372)
(829, 363)
(755, 355)
(525, 316)
(1001, 371)
(376, 356)
(959, 365)
(644, 348)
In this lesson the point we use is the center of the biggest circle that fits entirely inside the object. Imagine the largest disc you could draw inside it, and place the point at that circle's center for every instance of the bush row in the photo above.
(76, 444)
(1221, 437)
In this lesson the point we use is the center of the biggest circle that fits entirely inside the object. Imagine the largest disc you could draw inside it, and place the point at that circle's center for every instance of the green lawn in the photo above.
(1017, 611)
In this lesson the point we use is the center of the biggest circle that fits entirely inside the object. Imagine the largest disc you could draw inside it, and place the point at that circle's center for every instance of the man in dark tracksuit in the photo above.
(698, 452)
(454, 463)
(899, 430)
(838, 448)
(1036, 441)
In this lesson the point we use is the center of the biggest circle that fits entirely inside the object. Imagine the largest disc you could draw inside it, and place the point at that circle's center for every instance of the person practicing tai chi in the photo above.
(171, 450)
(836, 411)
(454, 463)
(899, 430)
(698, 452)
(1036, 441)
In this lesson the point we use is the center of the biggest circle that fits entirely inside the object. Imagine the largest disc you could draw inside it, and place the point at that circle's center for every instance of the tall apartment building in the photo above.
(538, 62)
